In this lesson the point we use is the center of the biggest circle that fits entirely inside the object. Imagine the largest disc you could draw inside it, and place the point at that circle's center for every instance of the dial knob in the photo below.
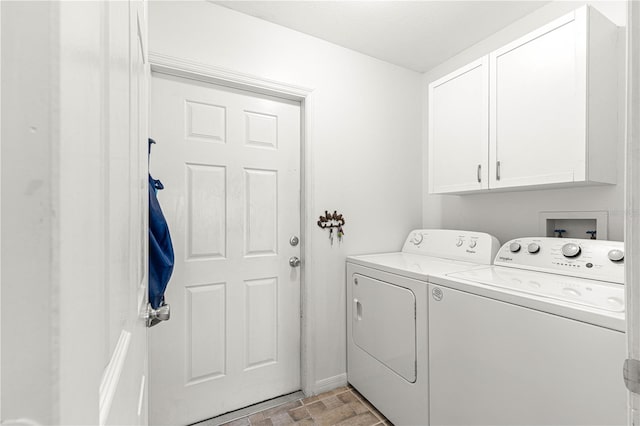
(514, 247)
(460, 242)
(472, 244)
(533, 248)
(417, 238)
(615, 255)
(571, 250)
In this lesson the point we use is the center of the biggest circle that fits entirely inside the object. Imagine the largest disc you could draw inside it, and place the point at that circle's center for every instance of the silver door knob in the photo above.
(294, 261)
(154, 316)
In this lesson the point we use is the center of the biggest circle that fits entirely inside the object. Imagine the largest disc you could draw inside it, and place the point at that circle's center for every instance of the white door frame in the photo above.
(170, 65)
(632, 195)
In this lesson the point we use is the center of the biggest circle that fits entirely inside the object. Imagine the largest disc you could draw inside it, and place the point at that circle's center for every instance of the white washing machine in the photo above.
(387, 317)
(536, 339)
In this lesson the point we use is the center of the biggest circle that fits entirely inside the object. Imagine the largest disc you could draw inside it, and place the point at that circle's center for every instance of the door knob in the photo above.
(294, 261)
(154, 316)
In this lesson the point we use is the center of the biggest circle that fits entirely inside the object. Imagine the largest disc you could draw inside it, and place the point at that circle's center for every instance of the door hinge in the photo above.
(631, 374)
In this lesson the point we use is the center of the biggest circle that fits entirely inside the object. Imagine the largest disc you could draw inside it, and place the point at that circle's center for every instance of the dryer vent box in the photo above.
(575, 224)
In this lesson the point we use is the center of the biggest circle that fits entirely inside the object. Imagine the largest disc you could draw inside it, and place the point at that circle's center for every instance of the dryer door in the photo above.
(384, 323)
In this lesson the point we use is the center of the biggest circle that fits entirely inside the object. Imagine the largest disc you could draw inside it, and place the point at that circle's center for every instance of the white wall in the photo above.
(515, 214)
(366, 127)
(27, 347)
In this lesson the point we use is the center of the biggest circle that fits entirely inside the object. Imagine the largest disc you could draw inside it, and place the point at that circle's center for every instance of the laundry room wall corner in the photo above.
(362, 130)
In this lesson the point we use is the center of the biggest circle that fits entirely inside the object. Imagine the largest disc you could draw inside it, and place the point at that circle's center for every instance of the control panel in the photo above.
(594, 259)
(468, 246)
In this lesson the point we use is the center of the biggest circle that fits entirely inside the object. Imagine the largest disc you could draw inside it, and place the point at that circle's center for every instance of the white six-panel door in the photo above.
(230, 164)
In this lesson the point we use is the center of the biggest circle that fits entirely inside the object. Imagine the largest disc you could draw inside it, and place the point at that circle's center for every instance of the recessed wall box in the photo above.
(574, 224)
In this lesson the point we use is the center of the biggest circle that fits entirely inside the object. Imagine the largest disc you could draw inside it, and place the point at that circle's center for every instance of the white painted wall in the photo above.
(515, 214)
(50, 262)
(27, 347)
(365, 142)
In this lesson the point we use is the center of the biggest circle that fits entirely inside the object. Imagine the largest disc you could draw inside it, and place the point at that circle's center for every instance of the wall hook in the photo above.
(330, 221)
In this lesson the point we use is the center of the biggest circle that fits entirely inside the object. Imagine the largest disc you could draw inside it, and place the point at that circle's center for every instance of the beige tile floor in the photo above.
(343, 406)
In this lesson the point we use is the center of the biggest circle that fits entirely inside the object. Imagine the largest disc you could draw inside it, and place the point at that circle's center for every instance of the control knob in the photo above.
(533, 248)
(615, 255)
(514, 247)
(473, 244)
(571, 250)
(417, 238)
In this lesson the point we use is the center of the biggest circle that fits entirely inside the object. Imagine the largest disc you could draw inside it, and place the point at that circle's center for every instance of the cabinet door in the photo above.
(458, 130)
(537, 106)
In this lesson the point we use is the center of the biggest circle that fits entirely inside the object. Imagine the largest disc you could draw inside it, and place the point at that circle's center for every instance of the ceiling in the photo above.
(418, 35)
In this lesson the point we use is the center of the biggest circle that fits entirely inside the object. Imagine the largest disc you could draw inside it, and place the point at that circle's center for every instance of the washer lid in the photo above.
(596, 294)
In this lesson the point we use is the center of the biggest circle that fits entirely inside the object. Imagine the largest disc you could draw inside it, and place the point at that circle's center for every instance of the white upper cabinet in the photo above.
(551, 112)
(458, 130)
(553, 103)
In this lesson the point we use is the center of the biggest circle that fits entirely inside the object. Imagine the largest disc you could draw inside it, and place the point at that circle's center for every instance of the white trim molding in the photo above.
(210, 74)
(331, 383)
(632, 196)
(164, 64)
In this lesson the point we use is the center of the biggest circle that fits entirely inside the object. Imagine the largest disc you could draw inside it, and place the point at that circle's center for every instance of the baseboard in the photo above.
(330, 383)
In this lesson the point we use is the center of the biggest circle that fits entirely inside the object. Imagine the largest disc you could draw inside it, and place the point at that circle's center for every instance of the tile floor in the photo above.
(343, 406)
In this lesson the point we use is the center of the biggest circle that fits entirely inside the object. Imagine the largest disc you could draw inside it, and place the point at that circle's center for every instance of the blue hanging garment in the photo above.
(161, 256)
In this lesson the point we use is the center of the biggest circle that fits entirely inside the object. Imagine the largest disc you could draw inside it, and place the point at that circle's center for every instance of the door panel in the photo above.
(230, 164)
(123, 390)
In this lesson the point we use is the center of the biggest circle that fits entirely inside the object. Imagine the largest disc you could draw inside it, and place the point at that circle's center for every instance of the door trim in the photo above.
(225, 77)
(632, 196)
(170, 65)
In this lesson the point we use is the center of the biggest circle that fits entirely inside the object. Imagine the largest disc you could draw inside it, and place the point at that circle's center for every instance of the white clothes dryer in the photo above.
(536, 339)
(387, 294)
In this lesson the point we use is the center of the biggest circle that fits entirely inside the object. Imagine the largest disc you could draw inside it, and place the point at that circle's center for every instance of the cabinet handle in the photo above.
(497, 170)
(479, 176)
